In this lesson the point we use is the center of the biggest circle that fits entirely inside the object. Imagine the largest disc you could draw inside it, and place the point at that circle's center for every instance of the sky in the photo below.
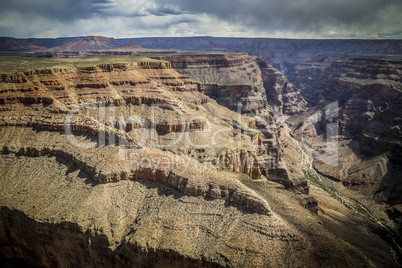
(218, 18)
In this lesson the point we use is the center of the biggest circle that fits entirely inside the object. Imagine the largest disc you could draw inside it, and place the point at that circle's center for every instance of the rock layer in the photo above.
(250, 86)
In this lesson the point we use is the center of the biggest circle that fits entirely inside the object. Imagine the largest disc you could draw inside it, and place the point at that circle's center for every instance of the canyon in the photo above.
(117, 153)
(352, 103)
(367, 93)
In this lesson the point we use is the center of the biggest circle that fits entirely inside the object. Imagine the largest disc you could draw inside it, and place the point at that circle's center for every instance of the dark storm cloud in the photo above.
(271, 18)
(289, 14)
(66, 10)
(166, 10)
(139, 8)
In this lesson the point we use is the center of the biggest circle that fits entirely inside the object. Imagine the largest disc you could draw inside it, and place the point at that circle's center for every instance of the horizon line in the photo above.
(208, 36)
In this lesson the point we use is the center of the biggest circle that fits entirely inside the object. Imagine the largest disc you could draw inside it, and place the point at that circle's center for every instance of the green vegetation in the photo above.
(352, 204)
(326, 185)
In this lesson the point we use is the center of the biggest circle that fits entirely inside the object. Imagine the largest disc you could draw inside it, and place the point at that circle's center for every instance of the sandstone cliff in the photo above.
(234, 80)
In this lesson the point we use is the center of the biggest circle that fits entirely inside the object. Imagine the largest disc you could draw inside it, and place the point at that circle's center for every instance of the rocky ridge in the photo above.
(65, 44)
(180, 173)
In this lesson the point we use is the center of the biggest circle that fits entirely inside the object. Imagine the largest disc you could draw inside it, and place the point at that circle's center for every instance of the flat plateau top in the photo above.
(15, 63)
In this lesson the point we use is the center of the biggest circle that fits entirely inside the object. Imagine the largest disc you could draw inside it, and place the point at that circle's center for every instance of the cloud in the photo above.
(27, 18)
(290, 14)
(139, 8)
(267, 18)
(55, 10)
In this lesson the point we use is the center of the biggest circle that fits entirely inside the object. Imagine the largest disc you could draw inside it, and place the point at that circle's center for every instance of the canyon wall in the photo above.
(367, 93)
(249, 86)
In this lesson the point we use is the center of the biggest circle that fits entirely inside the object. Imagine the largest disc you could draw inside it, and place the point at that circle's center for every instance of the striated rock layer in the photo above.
(252, 87)
(241, 82)
(234, 80)
(281, 94)
(118, 161)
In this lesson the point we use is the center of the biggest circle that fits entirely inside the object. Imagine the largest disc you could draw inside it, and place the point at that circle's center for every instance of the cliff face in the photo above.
(281, 94)
(306, 76)
(234, 80)
(242, 83)
(249, 86)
